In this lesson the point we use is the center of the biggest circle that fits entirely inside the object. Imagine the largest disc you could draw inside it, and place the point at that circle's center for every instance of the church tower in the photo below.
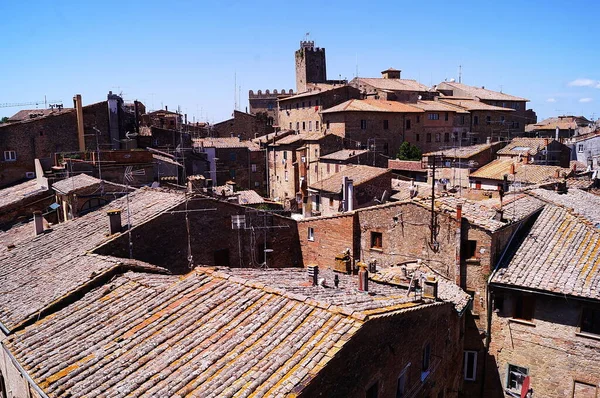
(310, 65)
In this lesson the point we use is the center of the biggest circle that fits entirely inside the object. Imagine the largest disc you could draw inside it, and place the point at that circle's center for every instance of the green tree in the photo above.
(4, 120)
(408, 151)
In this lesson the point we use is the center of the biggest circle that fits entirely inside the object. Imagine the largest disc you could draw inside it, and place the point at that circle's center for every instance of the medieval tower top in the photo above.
(310, 65)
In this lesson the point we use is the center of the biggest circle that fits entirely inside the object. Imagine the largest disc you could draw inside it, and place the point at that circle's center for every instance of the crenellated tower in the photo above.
(310, 65)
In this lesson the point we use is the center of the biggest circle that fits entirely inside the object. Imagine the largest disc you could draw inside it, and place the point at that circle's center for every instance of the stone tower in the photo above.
(310, 65)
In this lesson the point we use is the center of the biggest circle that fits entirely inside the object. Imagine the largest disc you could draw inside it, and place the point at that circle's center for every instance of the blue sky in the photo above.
(186, 53)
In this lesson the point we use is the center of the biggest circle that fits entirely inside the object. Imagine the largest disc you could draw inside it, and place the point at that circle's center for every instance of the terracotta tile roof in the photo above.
(75, 183)
(482, 93)
(524, 173)
(31, 114)
(560, 254)
(575, 200)
(41, 269)
(393, 84)
(404, 189)
(481, 213)
(581, 183)
(562, 122)
(227, 142)
(314, 89)
(407, 165)
(16, 193)
(344, 154)
(204, 334)
(473, 105)
(464, 152)
(360, 174)
(520, 146)
(290, 139)
(438, 106)
(447, 291)
(372, 105)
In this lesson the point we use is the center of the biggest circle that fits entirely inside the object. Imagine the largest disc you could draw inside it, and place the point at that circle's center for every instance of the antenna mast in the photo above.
(460, 73)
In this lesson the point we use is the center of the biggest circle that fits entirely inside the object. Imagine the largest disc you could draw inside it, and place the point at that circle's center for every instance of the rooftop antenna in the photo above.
(235, 91)
(460, 73)
(356, 66)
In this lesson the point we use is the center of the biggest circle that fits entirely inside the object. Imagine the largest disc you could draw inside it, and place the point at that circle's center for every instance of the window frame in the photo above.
(527, 307)
(12, 156)
(386, 124)
(595, 315)
(310, 234)
(425, 361)
(376, 240)
(508, 377)
(363, 124)
(465, 367)
(433, 116)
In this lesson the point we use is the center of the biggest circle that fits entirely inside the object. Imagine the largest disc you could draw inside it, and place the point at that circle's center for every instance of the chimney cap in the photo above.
(113, 211)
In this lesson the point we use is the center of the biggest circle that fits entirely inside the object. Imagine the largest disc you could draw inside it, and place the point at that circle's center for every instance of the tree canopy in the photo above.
(408, 151)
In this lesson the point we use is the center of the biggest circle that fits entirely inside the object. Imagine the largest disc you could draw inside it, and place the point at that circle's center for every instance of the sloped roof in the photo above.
(393, 84)
(473, 105)
(438, 106)
(41, 269)
(406, 165)
(372, 105)
(560, 254)
(562, 122)
(343, 154)
(521, 146)
(525, 173)
(225, 142)
(360, 174)
(207, 333)
(29, 114)
(75, 183)
(16, 193)
(464, 152)
(480, 92)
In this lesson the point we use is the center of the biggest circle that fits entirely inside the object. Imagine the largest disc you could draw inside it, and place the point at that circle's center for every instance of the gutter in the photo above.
(24, 373)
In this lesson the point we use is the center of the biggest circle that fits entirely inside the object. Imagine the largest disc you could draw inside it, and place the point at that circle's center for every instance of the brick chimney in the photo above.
(557, 173)
(114, 221)
(313, 274)
(38, 223)
(526, 158)
(512, 168)
(363, 277)
(546, 142)
(79, 113)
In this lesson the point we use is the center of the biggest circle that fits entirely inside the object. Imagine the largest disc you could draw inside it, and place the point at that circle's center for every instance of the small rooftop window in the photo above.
(521, 148)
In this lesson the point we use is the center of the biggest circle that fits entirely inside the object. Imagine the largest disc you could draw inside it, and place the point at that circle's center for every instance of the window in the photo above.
(428, 137)
(418, 119)
(328, 168)
(286, 175)
(327, 124)
(232, 156)
(376, 240)
(297, 105)
(316, 102)
(446, 137)
(373, 391)
(232, 174)
(582, 389)
(502, 119)
(524, 307)
(303, 104)
(402, 382)
(290, 125)
(470, 248)
(580, 148)
(590, 321)
(284, 155)
(446, 116)
(488, 120)
(433, 116)
(317, 125)
(386, 124)
(10, 156)
(309, 104)
(408, 124)
(316, 168)
(462, 119)
(337, 168)
(253, 166)
(2, 386)
(363, 124)
(330, 202)
(256, 184)
(303, 125)
(310, 125)
(515, 377)
(470, 369)
(311, 234)
(475, 120)
(438, 137)
(297, 126)
(270, 106)
(417, 137)
(426, 361)
(316, 152)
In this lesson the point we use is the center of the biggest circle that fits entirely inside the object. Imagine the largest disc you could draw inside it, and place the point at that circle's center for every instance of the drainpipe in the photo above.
(24, 373)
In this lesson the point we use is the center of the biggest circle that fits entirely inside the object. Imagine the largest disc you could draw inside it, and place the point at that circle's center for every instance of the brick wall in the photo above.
(331, 236)
(163, 240)
(244, 125)
(383, 348)
(549, 347)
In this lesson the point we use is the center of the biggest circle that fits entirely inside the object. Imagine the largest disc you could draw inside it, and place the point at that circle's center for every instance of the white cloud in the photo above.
(586, 100)
(585, 83)
(551, 100)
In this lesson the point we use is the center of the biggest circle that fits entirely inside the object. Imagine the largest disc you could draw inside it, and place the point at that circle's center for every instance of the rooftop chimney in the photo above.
(363, 277)
(546, 142)
(557, 173)
(430, 288)
(38, 223)
(79, 112)
(313, 274)
(526, 158)
(512, 168)
(114, 221)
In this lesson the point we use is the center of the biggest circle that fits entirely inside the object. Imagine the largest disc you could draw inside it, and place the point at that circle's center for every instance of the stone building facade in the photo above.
(245, 126)
(266, 103)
